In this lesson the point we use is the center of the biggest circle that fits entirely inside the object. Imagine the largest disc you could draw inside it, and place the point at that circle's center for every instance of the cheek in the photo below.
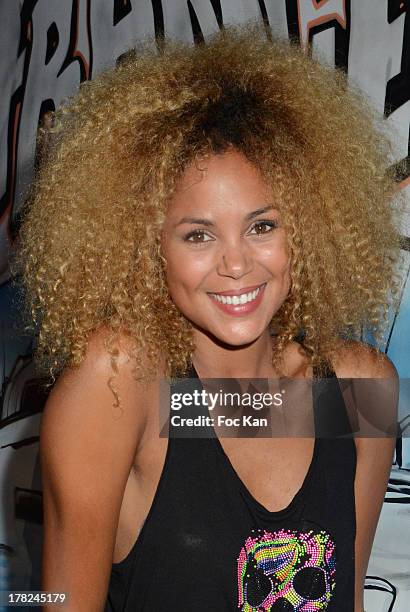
(277, 259)
(186, 269)
(183, 275)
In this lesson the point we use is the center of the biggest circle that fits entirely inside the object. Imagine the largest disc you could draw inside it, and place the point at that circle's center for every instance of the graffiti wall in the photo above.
(47, 50)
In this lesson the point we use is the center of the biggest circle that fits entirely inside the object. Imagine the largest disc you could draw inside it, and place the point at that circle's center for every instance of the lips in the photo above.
(240, 302)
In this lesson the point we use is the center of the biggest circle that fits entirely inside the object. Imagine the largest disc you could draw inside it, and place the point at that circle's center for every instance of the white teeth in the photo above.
(244, 298)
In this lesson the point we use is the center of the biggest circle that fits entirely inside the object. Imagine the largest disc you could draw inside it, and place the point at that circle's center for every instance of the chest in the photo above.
(272, 470)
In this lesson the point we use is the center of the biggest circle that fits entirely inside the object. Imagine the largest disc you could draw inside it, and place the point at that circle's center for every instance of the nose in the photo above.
(235, 260)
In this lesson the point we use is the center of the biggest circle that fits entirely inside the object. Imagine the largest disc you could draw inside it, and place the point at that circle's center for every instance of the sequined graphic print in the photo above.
(286, 571)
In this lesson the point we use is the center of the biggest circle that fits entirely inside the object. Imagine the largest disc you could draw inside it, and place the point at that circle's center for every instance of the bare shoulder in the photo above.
(82, 411)
(353, 359)
(98, 373)
(378, 398)
(98, 358)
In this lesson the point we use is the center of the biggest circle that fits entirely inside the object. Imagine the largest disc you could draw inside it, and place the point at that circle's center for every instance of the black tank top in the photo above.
(207, 545)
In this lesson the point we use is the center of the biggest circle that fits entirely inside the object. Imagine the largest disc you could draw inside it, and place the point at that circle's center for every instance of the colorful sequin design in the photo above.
(286, 571)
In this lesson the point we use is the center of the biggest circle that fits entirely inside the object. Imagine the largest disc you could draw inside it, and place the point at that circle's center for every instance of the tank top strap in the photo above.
(330, 412)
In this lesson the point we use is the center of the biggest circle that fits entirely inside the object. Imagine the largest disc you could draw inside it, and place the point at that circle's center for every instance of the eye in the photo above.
(264, 227)
(197, 237)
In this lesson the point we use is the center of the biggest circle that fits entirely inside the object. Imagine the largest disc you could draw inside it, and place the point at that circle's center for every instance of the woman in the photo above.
(202, 211)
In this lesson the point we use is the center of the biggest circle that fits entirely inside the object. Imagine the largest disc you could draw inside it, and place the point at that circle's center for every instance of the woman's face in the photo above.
(228, 264)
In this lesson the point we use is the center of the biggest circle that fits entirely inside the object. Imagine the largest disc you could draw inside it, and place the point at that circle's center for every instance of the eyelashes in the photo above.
(271, 224)
(195, 233)
(198, 236)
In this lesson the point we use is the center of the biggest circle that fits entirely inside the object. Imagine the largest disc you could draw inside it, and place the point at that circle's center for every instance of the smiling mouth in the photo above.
(239, 299)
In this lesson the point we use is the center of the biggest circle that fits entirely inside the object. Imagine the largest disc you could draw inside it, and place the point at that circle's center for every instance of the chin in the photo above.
(237, 338)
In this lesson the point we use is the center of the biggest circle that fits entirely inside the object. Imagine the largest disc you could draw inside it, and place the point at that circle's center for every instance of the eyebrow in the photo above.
(208, 223)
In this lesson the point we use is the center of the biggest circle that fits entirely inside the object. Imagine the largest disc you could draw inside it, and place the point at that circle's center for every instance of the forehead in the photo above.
(217, 181)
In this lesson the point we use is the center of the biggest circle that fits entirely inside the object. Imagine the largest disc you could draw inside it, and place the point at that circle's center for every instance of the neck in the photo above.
(213, 360)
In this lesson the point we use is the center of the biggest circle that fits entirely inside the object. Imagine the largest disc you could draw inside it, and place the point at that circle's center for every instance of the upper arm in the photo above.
(374, 454)
(87, 447)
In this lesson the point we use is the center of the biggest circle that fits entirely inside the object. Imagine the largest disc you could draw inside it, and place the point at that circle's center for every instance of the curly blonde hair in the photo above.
(89, 249)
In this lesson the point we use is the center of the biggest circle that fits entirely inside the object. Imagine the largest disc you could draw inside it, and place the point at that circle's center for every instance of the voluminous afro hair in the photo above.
(89, 251)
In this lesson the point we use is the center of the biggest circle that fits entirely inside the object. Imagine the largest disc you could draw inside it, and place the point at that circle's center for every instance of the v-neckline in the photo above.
(226, 462)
